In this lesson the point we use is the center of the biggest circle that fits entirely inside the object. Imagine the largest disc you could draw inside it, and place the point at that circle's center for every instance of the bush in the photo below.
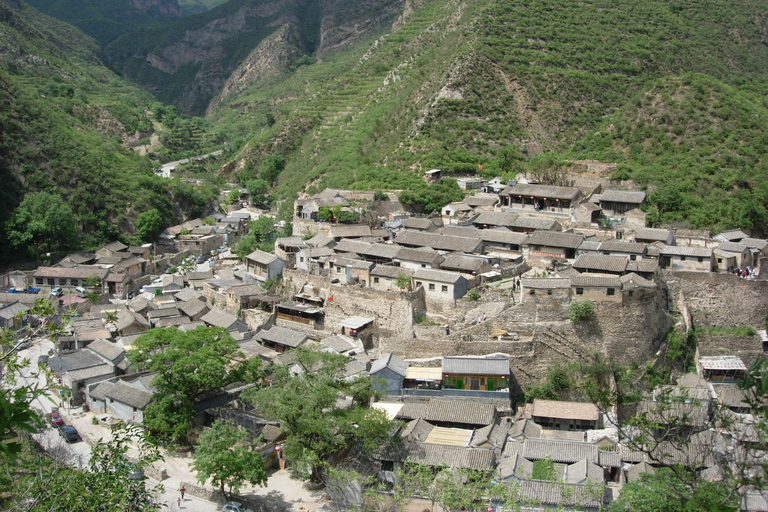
(474, 294)
(580, 311)
(380, 196)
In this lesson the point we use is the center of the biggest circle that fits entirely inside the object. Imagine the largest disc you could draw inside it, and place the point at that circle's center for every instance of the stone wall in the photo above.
(303, 227)
(748, 348)
(722, 300)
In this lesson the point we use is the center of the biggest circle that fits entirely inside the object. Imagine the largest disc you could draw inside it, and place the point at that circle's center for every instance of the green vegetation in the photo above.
(580, 311)
(43, 222)
(222, 454)
(189, 365)
(306, 405)
(148, 226)
(727, 331)
(544, 469)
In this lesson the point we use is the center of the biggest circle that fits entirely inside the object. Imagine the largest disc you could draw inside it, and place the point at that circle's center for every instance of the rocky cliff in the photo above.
(160, 9)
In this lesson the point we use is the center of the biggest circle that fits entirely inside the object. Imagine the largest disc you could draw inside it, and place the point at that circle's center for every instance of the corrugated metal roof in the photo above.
(722, 363)
(421, 373)
(449, 436)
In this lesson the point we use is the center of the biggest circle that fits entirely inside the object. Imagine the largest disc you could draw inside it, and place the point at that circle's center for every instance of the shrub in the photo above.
(580, 311)
(380, 196)
(474, 294)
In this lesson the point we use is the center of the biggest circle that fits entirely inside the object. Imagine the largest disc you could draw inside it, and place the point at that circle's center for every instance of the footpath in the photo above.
(281, 494)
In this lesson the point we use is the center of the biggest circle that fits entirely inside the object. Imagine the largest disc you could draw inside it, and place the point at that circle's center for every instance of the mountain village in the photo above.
(455, 314)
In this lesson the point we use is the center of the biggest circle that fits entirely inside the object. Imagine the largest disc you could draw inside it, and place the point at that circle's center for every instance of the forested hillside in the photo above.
(370, 94)
(63, 118)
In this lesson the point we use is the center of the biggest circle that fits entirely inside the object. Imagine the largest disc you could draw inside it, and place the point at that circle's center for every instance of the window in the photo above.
(633, 257)
(631, 293)
(419, 283)
(579, 291)
(338, 270)
(549, 292)
(51, 281)
(38, 280)
(444, 288)
(611, 291)
(423, 265)
(431, 287)
(301, 259)
(682, 258)
(701, 259)
(375, 280)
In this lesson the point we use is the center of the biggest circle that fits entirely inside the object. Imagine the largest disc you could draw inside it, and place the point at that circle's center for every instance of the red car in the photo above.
(56, 420)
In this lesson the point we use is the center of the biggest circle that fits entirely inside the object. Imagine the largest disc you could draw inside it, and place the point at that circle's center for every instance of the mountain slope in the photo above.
(188, 63)
(457, 84)
(63, 117)
(105, 20)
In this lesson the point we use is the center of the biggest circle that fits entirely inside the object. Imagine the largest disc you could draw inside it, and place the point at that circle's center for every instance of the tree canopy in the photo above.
(148, 225)
(188, 365)
(223, 454)
(316, 427)
(43, 222)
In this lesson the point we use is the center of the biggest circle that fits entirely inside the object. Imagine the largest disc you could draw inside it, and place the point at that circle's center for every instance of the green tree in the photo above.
(316, 427)
(148, 225)
(271, 167)
(403, 281)
(663, 491)
(261, 235)
(257, 189)
(580, 311)
(223, 454)
(43, 222)
(188, 365)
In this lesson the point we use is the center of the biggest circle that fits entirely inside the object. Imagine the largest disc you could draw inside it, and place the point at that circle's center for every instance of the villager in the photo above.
(182, 491)
(447, 330)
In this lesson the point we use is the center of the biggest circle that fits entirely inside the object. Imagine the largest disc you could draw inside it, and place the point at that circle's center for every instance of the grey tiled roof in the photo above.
(463, 263)
(566, 452)
(387, 251)
(262, 257)
(555, 239)
(476, 365)
(392, 362)
(589, 280)
(219, 318)
(495, 219)
(696, 252)
(655, 234)
(287, 337)
(732, 247)
(560, 494)
(338, 343)
(623, 196)
(352, 246)
(390, 271)
(600, 262)
(548, 191)
(440, 276)
(626, 247)
(452, 411)
(129, 395)
(633, 280)
(354, 231)
(531, 222)
(424, 255)
(106, 349)
(645, 266)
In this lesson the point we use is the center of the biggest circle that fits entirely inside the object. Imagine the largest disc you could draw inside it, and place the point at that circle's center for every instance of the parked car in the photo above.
(69, 433)
(56, 291)
(81, 292)
(202, 258)
(56, 419)
(235, 506)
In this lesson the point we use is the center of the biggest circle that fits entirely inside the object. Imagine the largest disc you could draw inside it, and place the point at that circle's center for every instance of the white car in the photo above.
(235, 506)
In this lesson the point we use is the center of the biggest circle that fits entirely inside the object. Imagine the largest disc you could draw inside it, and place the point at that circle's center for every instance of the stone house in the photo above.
(194, 309)
(633, 251)
(618, 202)
(540, 197)
(601, 264)
(476, 373)
(351, 248)
(313, 258)
(440, 284)
(559, 415)
(381, 254)
(341, 231)
(425, 224)
(587, 213)
(281, 339)
(263, 265)
(531, 223)
(111, 248)
(544, 289)
(486, 220)
(125, 400)
(455, 209)
(651, 235)
(309, 208)
(731, 235)
(415, 259)
(69, 278)
(741, 253)
(130, 322)
(686, 259)
(219, 318)
(286, 249)
(391, 370)
(596, 288)
(350, 271)
(552, 244)
(14, 315)
(384, 277)
(465, 263)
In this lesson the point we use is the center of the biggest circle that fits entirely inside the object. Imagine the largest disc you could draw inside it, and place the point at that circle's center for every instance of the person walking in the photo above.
(182, 491)
(280, 456)
(178, 502)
